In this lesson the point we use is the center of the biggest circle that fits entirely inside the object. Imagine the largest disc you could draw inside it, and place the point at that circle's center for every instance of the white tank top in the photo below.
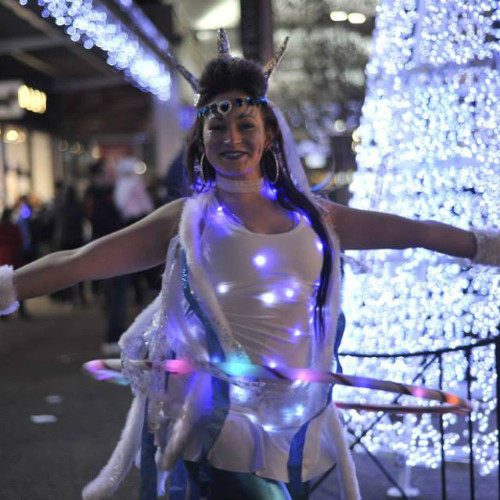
(265, 284)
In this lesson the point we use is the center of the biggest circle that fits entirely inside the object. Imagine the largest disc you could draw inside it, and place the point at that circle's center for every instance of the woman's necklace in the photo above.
(237, 186)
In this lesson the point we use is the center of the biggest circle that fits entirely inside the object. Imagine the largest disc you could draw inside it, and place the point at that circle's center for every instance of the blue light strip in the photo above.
(90, 23)
(220, 388)
(144, 24)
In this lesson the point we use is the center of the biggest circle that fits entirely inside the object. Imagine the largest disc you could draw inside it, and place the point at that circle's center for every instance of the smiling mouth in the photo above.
(233, 155)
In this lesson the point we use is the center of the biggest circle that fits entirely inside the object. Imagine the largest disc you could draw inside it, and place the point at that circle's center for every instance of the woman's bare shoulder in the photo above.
(170, 213)
(162, 224)
(332, 212)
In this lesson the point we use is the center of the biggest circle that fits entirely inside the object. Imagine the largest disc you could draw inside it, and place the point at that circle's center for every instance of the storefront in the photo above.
(28, 163)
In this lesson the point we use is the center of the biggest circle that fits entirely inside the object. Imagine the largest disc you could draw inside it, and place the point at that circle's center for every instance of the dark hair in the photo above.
(96, 168)
(225, 74)
(6, 216)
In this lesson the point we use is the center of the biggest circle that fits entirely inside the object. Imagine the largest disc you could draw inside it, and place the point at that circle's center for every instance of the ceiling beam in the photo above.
(93, 83)
(30, 43)
(35, 63)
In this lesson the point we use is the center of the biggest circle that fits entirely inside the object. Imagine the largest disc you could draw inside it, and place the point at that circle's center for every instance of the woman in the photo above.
(252, 276)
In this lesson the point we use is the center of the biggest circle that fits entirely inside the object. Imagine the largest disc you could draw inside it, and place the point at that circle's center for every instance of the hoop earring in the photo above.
(202, 172)
(276, 167)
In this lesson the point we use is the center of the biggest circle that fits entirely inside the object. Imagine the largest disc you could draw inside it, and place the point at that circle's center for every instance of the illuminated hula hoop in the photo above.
(110, 370)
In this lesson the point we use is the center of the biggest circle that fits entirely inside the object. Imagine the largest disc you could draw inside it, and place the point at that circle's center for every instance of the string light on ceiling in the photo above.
(91, 23)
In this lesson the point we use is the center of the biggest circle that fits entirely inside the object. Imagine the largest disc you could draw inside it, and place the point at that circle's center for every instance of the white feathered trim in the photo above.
(488, 247)
(323, 357)
(194, 210)
(191, 411)
(140, 323)
(189, 236)
(112, 474)
(8, 295)
(346, 469)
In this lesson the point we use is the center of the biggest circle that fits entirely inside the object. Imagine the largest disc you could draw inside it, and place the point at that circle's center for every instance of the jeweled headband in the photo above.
(224, 107)
(223, 51)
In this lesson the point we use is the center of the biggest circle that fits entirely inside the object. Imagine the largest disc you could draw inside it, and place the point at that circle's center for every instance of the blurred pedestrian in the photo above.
(11, 248)
(69, 218)
(134, 202)
(175, 181)
(105, 218)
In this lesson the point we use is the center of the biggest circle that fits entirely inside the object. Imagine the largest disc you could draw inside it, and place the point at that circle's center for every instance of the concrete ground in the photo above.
(42, 357)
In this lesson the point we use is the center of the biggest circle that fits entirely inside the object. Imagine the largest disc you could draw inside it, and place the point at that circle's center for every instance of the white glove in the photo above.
(488, 247)
(8, 295)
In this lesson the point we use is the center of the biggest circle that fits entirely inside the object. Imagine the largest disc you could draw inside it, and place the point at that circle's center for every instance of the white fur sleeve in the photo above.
(488, 247)
(8, 295)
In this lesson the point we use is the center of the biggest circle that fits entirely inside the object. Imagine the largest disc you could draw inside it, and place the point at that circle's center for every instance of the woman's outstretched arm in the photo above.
(139, 246)
(365, 230)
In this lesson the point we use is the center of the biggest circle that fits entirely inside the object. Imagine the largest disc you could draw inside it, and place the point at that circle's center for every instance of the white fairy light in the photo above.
(268, 298)
(260, 260)
(92, 23)
(222, 288)
(299, 410)
(429, 150)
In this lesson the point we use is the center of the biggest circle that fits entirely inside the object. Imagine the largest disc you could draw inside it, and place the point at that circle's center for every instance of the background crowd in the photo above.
(114, 197)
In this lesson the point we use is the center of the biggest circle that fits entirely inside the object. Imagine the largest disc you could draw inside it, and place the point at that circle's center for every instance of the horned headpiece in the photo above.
(223, 51)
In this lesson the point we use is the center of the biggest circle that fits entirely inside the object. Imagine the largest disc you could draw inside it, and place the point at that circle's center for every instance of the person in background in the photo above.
(130, 194)
(11, 248)
(176, 182)
(133, 203)
(68, 223)
(105, 218)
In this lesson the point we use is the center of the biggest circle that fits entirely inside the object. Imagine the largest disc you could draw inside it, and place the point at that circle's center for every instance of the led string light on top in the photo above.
(92, 23)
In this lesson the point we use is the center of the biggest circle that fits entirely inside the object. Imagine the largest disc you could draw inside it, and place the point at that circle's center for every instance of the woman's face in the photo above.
(234, 143)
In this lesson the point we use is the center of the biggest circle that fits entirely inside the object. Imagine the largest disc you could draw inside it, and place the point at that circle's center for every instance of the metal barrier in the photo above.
(429, 358)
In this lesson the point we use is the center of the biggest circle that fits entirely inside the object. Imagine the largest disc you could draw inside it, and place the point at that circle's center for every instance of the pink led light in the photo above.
(94, 366)
(178, 366)
(303, 376)
(419, 392)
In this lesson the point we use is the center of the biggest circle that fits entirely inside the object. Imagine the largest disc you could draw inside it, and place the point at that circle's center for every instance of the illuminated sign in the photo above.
(16, 98)
(31, 99)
